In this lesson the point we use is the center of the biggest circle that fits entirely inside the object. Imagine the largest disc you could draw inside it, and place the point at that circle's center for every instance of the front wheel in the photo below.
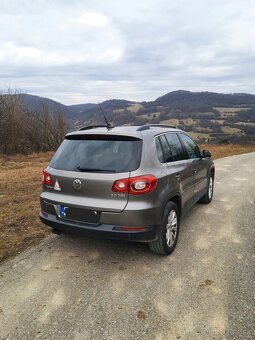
(169, 231)
(207, 198)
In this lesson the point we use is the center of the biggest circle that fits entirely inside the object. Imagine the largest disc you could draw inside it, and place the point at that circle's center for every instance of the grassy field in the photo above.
(196, 135)
(135, 107)
(20, 186)
(172, 121)
(230, 130)
(219, 151)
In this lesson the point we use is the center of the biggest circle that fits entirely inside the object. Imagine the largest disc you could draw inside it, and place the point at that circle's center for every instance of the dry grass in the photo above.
(219, 121)
(172, 121)
(135, 107)
(20, 186)
(188, 121)
(219, 151)
(230, 130)
(228, 111)
(197, 135)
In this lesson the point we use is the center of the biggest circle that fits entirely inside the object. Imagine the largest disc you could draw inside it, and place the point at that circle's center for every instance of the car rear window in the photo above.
(90, 153)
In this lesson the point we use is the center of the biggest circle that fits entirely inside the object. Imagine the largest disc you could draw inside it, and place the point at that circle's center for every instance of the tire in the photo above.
(165, 245)
(207, 198)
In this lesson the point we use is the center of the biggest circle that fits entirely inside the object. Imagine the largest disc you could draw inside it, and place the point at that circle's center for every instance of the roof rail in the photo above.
(148, 126)
(95, 126)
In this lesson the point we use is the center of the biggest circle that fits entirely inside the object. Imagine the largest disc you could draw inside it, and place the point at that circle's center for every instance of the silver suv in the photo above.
(127, 183)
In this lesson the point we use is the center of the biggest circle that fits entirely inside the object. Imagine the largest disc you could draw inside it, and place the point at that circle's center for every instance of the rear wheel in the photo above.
(169, 231)
(207, 198)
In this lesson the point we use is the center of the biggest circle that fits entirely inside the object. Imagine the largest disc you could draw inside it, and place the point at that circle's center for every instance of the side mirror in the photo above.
(206, 154)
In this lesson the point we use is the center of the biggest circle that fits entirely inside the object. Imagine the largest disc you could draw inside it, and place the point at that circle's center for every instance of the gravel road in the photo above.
(78, 288)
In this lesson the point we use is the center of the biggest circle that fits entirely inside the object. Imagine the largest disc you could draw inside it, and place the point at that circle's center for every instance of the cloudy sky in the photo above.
(83, 51)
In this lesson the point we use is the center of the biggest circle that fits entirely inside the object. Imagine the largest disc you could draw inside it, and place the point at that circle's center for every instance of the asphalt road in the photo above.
(77, 288)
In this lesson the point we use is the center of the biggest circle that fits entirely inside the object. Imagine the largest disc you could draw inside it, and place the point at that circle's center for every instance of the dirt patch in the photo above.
(140, 314)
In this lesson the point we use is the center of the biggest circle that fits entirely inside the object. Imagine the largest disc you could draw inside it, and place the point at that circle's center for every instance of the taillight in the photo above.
(46, 178)
(135, 185)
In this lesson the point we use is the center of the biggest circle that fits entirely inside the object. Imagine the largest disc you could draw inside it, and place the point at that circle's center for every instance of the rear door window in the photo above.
(175, 147)
(89, 153)
(190, 146)
(169, 148)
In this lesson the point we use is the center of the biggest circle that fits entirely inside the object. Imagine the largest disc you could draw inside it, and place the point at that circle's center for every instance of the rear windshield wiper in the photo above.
(93, 170)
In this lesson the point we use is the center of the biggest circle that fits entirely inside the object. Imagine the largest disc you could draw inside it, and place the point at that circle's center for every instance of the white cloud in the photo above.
(85, 50)
(93, 19)
(113, 54)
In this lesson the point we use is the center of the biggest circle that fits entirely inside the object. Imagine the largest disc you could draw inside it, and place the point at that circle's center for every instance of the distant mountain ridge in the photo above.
(208, 98)
(205, 115)
(175, 99)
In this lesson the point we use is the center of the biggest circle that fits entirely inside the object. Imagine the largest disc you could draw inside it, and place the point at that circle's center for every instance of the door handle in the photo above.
(178, 177)
(195, 171)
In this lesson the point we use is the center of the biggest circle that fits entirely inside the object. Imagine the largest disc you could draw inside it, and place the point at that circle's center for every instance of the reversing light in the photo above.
(139, 185)
(121, 185)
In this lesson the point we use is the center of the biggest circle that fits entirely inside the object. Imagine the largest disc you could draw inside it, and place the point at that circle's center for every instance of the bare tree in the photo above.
(13, 122)
(49, 128)
(23, 131)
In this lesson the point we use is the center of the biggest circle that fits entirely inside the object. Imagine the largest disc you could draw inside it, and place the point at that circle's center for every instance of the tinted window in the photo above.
(104, 153)
(191, 147)
(175, 147)
(166, 149)
(159, 150)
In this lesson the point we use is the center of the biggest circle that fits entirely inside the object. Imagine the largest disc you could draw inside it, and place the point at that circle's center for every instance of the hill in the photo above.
(207, 116)
(34, 103)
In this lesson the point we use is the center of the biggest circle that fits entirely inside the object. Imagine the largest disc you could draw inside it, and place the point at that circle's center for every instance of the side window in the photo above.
(175, 147)
(190, 145)
(166, 150)
(159, 150)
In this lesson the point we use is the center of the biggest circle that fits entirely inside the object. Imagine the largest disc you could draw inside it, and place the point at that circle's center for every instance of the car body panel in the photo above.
(95, 192)
(185, 179)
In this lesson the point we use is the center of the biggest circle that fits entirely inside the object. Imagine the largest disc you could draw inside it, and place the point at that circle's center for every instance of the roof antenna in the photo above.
(108, 125)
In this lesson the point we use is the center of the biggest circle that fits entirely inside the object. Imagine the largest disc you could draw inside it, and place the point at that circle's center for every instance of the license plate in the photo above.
(78, 214)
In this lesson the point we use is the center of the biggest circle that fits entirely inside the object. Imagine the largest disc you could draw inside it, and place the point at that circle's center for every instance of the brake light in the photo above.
(46, 178)
(135, 185)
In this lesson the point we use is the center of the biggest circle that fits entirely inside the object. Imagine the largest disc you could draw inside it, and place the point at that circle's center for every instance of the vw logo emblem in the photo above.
(77, 184)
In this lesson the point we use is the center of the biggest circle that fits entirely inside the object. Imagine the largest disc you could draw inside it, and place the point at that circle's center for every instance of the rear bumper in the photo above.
(106, 231)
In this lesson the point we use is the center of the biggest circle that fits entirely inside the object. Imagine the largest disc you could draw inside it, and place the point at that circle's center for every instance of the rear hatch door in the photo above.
(85, 167)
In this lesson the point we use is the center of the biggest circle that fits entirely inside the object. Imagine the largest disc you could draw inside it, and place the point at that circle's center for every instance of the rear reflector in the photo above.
(135, 185)
(129, 228)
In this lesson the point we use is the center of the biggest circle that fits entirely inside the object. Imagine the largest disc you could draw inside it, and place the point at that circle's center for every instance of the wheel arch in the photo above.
(176, 198)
